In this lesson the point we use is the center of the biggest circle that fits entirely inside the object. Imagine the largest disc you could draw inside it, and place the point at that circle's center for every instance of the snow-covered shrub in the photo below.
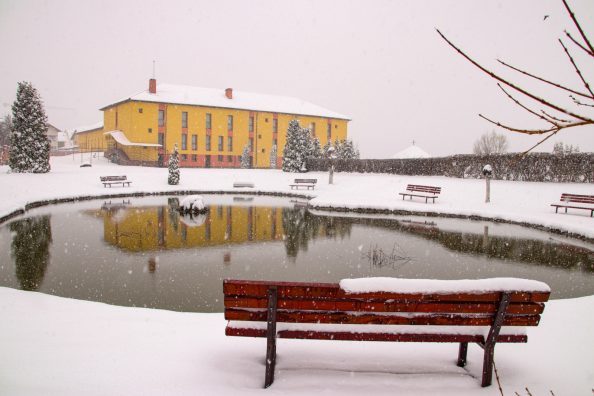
(173, 178)
(273, 155)
(296, 148)
(29, 144)
(245, 157)
(192, 204)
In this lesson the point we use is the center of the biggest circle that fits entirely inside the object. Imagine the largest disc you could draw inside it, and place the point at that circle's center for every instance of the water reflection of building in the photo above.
(162, 228)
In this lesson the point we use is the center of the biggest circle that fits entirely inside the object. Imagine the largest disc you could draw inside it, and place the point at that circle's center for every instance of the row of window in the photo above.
(220, 158)
(184, 142)
(312, 126)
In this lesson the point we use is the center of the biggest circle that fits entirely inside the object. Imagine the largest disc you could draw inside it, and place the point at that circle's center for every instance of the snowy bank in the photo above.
(518, 202)
(55, 346)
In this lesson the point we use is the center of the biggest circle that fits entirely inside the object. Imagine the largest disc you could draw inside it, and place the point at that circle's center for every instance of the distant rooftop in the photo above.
(411, 152)
(230, 99)
(87, 128)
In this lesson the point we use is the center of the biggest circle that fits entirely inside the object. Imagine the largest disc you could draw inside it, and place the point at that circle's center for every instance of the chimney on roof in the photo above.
(229, 93)
(153, 85)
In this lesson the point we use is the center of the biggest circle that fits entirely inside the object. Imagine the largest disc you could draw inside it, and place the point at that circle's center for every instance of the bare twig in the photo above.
(541, 142)
(579, 103)
(579, 28)
(557, 85)
(554, 118)
(497, 378)
(524, 131)
(516, 101)
(515, 87)
(528, 391)
(578, 44)
(577, 70)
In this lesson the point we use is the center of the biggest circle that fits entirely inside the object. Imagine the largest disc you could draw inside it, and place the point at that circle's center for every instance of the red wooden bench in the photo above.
(416, 190)
(571, 201)
(325, 311)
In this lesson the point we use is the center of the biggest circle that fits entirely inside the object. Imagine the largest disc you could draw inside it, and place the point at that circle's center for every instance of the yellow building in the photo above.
(210, 127)
(90, 138)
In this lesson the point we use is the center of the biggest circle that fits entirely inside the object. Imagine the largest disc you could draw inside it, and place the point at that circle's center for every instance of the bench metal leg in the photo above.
(271, 337)
(462, 354)
(489, 345)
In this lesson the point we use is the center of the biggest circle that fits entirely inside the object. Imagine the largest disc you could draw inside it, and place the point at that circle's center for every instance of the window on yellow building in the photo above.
(220, 143)
(150, 130)
(161, 118)
(230, 123)
(329, 132)
(220, 158)
(184, 144)
(194, 142)
(251, 144)
(184, 119)
(194, 158)
(275, 126)
(162, 139)
(312, 127)
(229, 158)
(251, 124)
(207, 142)
(229, 143)
(208, 121)
(140, 110)
(184, 157)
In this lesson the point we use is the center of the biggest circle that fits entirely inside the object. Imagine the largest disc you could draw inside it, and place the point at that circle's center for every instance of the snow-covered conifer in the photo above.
(273, 155)
(173, 178)
(315, 149)
(29, 144)
(295, 149)
(245, 157)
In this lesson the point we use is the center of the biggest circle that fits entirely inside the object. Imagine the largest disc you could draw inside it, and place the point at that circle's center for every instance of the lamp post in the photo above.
(488, 172)
(331, 153)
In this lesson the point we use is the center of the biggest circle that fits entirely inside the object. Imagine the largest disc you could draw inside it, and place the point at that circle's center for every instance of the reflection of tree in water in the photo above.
(173, 209)
(30, 250)
(300, 226)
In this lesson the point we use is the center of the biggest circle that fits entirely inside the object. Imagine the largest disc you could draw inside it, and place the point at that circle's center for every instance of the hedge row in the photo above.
(574, 168)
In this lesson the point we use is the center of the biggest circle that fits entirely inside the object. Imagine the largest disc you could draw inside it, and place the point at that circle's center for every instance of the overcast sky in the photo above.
(379, 62)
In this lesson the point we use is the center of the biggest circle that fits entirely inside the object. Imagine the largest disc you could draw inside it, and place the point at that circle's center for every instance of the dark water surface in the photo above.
(141, 252)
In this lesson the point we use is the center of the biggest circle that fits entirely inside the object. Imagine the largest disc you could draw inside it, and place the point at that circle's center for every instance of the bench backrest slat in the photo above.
(311, 181)
(327, 303)
(577, 198)
(112, 178)
(425, 189)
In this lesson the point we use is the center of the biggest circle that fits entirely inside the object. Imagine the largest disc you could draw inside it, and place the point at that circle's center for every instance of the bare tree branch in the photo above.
(577, 102)
(587, 120)
(542, 117)
(524, 131)
(543, 80)
(541, 142)
(554, 118)
(577, 70)
(578, 44)
(579, 28)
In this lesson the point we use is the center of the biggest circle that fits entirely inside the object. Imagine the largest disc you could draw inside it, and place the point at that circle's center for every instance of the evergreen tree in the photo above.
(345, 149)
(326, 148)
(5, 127)
(29, 144)
(245, 157)
(295, 149)
(173, 167)
(315, 149)
(273, 155)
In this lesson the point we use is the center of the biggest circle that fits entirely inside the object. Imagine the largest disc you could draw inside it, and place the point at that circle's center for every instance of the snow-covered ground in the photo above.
(55, 346)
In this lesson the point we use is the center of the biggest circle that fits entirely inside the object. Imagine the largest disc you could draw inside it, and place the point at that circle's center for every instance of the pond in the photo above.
(141, 252)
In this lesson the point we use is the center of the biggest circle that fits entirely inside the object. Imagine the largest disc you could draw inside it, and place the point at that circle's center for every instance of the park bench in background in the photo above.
(575, 201)
(427, 192)
(109, 180)
(243, 184)
(446, 311)
(308, 183)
